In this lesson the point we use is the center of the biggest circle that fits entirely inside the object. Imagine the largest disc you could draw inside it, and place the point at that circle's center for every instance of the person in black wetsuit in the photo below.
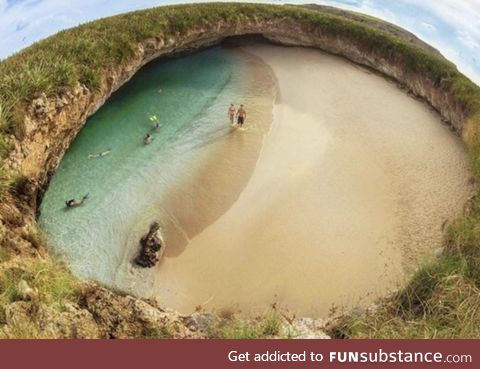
(74, 202)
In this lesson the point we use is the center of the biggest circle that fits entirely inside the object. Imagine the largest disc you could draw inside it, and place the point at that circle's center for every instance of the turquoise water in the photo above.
(126, 188)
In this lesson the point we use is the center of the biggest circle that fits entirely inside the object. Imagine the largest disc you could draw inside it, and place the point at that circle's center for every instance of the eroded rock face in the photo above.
(52, 123)
(30, 320)
(152, 247)
(125, 316)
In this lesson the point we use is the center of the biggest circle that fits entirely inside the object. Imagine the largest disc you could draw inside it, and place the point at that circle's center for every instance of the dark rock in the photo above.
(151, 247)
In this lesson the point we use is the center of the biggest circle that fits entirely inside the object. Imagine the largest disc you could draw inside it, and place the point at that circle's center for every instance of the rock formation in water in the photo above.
(152, 247)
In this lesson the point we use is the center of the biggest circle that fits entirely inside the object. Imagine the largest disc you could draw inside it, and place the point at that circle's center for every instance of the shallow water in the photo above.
(137, 184)
(332, 203)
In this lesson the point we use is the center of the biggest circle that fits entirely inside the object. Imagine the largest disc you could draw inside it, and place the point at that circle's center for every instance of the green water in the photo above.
(190, 97)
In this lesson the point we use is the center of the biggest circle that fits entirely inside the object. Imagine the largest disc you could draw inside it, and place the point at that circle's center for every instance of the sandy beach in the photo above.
(219, 170)
(350, 191)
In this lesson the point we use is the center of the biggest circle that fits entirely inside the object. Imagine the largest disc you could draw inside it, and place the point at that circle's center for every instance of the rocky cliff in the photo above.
(51, 123)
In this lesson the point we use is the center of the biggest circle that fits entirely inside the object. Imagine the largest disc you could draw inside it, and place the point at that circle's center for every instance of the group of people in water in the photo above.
(240, 114)
(148, 139)
(236, 116)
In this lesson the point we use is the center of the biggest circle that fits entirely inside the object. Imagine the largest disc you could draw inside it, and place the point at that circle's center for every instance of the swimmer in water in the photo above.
(154, 120)
(74, 202)
(100, 155)
(147, 140)
(231, 113)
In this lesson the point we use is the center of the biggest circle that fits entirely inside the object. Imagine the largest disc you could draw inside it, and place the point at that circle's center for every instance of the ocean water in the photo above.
(127, 188)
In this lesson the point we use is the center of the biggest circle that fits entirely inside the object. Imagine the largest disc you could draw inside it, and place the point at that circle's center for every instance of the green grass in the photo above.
(238, 330)
(263, 327)
(82, 53)
(53, 287)
(22, 330)
(158, 332)
(4, 147)
(52, 282)
(441, 300)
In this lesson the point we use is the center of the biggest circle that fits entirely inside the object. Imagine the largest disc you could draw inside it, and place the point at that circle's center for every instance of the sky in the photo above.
(452, 26)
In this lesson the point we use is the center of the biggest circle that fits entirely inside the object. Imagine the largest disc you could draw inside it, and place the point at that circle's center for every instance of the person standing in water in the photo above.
(231, 113)
(241, 115)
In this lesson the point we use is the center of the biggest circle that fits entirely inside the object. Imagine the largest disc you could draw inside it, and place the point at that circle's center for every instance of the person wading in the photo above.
(241, 115)
(231, 113)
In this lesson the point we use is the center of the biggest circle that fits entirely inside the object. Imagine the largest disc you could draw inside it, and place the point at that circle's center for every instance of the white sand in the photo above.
(353, 184)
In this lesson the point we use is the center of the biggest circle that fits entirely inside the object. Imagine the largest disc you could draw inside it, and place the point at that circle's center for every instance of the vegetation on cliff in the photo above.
(34, 287)
(442, 299)
(82, 53)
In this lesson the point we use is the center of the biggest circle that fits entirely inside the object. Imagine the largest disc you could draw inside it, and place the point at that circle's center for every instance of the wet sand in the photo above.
(220, 170)
(350, 191)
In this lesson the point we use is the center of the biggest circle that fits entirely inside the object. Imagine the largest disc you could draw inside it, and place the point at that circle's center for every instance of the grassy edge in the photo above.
(266, 326)
(42, 284)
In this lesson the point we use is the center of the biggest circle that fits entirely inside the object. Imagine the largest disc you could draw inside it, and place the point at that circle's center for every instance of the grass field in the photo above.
(441, 300)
